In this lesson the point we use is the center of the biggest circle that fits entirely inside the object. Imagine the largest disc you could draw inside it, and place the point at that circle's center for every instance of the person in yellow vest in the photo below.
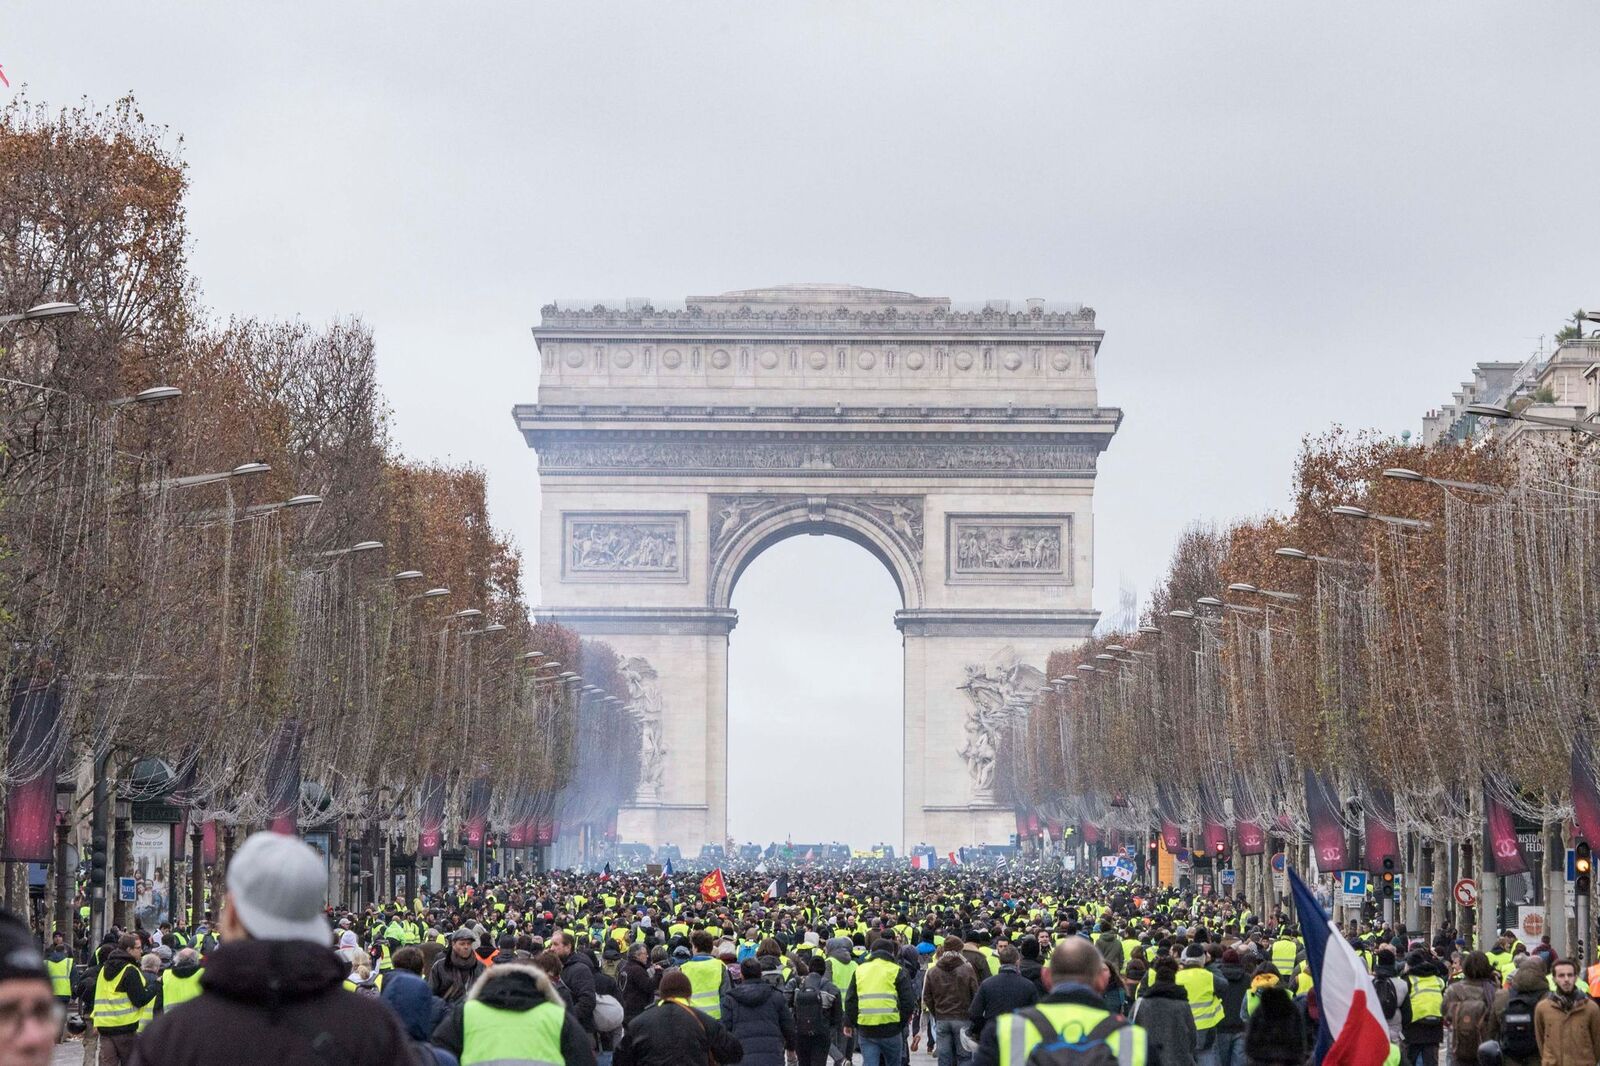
(120, 993)
(1205, 991)
(878, 1005)
(58, 963)
(181, 983)
(1422, 1013)
(1073, 1012)
(513, 1013)
(708, 976)
(150, 968)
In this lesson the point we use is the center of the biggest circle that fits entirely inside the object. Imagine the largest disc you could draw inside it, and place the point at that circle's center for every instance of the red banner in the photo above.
(31, 805)
(1055, 829)
(1500, 841)
(1252, 841)
(1381, 842)
(1171, 835)
(713, 889)
(1585, 792)
(283, 779)
(1216, 837)
(477, 820)
(1327, 831)
(430, 829)
(208, 841)
(1091, 832)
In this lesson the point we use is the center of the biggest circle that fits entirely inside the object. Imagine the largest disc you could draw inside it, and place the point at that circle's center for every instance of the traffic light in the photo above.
(355, 859)
(1582, 865)
(1222, 849)
(97, 864)
(1155, 842)
(1386, 887)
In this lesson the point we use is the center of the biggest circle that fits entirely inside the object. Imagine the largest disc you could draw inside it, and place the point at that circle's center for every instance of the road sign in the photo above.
(1466, 892)
(1425, 896)
(1353, 888)
(1572, 865)
(1229, 878)
(1280, 879)
(127, 889)
(1280, 863)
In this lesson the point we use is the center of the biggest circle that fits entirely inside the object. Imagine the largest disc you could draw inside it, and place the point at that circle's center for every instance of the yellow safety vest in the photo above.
(1284, 952)
(841, 973)
(1073, 1022)
(112, 1007)
(60, 977)
(496, 1035)
(176, 990)
(1426, 996)
(876, 1000)
(993, 959)
(1199, 984)
(705, 984)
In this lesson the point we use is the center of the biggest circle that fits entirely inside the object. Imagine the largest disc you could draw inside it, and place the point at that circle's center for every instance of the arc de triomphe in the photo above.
(959, 447)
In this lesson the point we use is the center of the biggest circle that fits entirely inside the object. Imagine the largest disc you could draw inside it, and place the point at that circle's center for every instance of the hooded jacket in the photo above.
(1163, 1010)
(281, 1003)
(1276, 1034)
(949, 987)
(419, 1011)
(1238, 979)
(521, 987)
(759, 1018)
(1568, 1029)
(131, 984)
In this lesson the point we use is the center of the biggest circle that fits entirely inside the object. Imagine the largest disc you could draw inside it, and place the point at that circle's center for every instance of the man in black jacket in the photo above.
(578, 975)
(637, 982)
(672, 1033)
(455, 971)
(1003, 993)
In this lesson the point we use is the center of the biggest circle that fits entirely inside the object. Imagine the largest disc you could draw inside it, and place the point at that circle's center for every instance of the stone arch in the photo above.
(742, 527)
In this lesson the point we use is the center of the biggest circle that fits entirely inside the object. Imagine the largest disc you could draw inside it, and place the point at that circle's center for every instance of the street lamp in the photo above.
(431, 594)
(1304, 556)
(38, 311)
(407, 575)
(191, 480)
(363, 546)
(1400, 473)
(154, 394)
(1347, 511)
(306, 499)
(1245, 586)
(1149, 630)
(1490, 410)
(1180, 613)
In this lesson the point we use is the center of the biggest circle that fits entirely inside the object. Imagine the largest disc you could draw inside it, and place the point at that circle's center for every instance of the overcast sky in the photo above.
(1285, 217)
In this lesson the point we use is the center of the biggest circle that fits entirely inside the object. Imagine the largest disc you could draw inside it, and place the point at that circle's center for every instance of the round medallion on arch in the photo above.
(622, 358)
(768, 359)
(963, 360)
(915, 361)
(817, 360)
(866, 360)
(1061, 360)
(574, 357)
(720, 359)
(672, 359)
(1012, 360)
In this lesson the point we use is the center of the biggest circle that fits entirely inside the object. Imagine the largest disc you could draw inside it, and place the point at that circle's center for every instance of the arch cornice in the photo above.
(743, 526)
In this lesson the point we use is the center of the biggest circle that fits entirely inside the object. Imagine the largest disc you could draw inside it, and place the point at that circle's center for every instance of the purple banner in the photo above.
(1381, 841)
(1215, 833)
(1252, 841)
(31, 805)
(430, 831)
(1501, 847)
(1327, 831)
(283, 779)
(1171, 835)
(1585, 791)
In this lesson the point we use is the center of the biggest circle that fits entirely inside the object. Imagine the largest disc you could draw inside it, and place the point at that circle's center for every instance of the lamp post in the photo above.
(64, 880)
(122, 850)
(1489, 410)
(1348, 511)
(197, 875)
(1305, 556)
(1400, 473)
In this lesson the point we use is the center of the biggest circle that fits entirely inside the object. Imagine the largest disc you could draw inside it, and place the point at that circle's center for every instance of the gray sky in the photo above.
(1285, 218)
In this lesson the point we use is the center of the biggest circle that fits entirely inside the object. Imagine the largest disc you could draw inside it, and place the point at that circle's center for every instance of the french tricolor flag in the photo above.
(1351, 1031)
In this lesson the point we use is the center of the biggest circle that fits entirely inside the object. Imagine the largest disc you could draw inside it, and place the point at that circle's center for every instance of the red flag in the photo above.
(713, 889)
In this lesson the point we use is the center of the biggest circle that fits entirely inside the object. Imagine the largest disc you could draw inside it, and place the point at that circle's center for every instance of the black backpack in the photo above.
(809, 1017)
(1517, 1038)
(1090, 1050)
(1388, 998)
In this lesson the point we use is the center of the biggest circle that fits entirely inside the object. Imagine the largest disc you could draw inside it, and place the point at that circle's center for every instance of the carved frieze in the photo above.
(1000, 548)
(911, 457)
(898, 517)
(626, 546)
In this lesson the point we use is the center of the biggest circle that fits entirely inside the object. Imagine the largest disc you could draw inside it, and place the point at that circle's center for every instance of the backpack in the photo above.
(810, 1017)
(1469, 1021)
(1389, 999)
(607, 1014)
(1091, 1050)
(1517, 1038)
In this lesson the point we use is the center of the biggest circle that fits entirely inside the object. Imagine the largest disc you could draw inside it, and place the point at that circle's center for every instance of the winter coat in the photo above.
(515, 986)
(1568, 1030)
(1238, 979)
(578, 975)
(1109, 945)
(1001, 994)
(638, 986)
(905, 1002)
(1276, 1032)
(275, 1003)
(449, 979)
(761, 1021)
(131, 984)
(1163, 1010)
(419, 1011)
(672, 1033)
(1034, 972)
(1425, 1032)
(950, 987)
(1528, 981)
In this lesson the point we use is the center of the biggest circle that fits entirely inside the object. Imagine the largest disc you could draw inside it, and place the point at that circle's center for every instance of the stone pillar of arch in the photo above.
(959, 448)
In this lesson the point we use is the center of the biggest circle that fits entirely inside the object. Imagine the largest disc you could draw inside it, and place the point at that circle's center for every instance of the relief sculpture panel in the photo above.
(645, 546)
(1009, 548)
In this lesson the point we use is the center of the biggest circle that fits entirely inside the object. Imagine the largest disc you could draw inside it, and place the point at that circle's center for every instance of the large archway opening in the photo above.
(815, 700)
